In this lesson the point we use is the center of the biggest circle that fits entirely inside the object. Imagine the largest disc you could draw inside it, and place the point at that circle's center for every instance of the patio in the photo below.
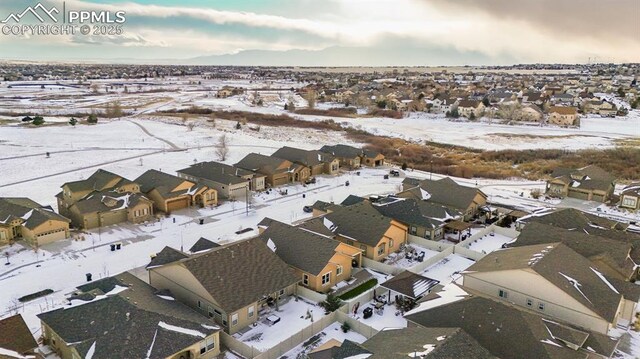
(274, 326)
(489, 242)
(411, 255)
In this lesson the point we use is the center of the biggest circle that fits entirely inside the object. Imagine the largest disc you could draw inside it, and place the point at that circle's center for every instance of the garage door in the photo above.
(578, 195)
(597, 198)
(51, 237)
(279, 181)
(178, 204)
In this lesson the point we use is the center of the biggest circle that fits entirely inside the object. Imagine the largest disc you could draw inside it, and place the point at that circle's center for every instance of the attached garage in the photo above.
(51, 236)
(176, 204)
(279, 181)
(578, 195)
(597, 198)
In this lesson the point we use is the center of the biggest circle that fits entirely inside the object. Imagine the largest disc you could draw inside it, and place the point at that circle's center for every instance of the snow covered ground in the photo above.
(448, 269)
(489, 243)
(331, 332)
(389, 317)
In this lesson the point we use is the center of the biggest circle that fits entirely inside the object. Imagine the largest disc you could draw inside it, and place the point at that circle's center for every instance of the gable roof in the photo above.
(506, 331)
(346, 350)
(240, 273)
(217, 172)
(413, 212)
(596, 248)
(16, 336)
(360, 222)
(446, 192)
(203, 244)
(563, 110)
(29, 212)
(155, 179)
(433, 343)
(108, 201)
(165, 256)
(129, 321)
(304, 157)
(564, 268)
(589, 177)
(343, 151)
(352, 199)
(100, 180)
(261, 163)
(299, 248)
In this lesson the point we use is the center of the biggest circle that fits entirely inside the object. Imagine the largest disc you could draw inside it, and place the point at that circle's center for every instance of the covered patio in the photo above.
(454, 231)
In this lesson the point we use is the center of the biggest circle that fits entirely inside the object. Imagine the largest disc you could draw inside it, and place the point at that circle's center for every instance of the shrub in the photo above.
(35, 295)
(38, 120)
(345, 327)
(92, 118)
(331, 304)
(536, 193)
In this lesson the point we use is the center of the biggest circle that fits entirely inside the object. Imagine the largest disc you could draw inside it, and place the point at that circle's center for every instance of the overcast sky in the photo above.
(389, 32)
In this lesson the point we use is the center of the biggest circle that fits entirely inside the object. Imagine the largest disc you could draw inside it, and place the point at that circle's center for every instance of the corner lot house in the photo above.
(557, 282)
(229, 283)
(123, 317)
(170, 193)
(320, 262)
(316, 161)
(103, 199)
(22, 218)
(590, 183)
(348, 156)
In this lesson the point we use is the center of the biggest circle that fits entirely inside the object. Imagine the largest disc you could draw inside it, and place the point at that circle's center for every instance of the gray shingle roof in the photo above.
(343, 151)
(217, 172)
(203, 244)
(346, 350)
(240, 273)
(410, 284)
(155, 179)
(403, 343)
(263, 164)
(305, 157)
(504, 330)
(100, 201)
(31, 213)
(413, 212)
(98, 181)
(129, 324)
(351, 200)
(562, 266)
(360, 222)
(446, 192)
(165, 256)
(299, 248)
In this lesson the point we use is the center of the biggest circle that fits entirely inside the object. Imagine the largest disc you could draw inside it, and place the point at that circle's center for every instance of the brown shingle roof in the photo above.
(15, 335)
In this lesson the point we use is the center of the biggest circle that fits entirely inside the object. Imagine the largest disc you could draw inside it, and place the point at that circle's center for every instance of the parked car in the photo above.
(307, 209)
(394, 173)
(310, 180)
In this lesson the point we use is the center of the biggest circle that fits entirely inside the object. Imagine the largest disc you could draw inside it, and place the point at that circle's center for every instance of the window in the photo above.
(529, 302)
(326, 278)
(629, 201)
(502, 294)
(305, 279)
(234, 319)
(281, 292)
(363, 247)
(210, 310)
(145, 211)
(207, 345)
(413, 230)
(381, 249)
(540, 306)
(339, 270)
(391, 243)
(251, 311)
(199, 304)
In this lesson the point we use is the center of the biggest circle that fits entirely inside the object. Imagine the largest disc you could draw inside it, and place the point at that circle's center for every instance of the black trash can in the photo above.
(118, 246)
(367, 312)
(113, 247)
(201, 221)
(304, 195)
(88, 277)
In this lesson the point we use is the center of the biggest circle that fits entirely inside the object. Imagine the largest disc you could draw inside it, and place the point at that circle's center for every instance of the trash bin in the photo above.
(88, 277)
(118, 246)
(346, 183)
(304, 195)
(358, 173)
(201, 221)
(386, 176)
(367, 312)
(113, 247)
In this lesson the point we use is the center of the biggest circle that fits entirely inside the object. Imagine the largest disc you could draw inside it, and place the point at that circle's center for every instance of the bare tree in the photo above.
(510, 111)
(94, 87)
(223, 149)
(191, 125)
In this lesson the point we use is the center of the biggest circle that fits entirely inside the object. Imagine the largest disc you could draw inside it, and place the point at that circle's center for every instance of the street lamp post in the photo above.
(431, 171)
(6, 254)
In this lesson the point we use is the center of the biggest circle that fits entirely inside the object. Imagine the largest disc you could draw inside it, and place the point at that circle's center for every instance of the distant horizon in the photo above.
(329, 33)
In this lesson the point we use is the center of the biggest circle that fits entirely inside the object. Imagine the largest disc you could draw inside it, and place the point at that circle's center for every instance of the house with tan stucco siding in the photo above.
(22, 218)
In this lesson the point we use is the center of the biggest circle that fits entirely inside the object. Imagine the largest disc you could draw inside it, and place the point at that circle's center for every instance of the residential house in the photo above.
(507, 331)
(467, 200)
(233, 283)
(531, 113)
(22, 218)
(555, 280)
(277, 171)
(470, 108)
(103, 199)
(563, 115)
(230, 182)
(202, 245)
(123, 317)
(602, 108)
(170, 193)
(562, 99)
(320, 262)
(616, 259)
(630, 197)
(590, 183)
(443, 105)
(422, 218)
(16, 340)
(316, 161)
(362, 226)
(348, 156)
(333, 349)
(372, 158)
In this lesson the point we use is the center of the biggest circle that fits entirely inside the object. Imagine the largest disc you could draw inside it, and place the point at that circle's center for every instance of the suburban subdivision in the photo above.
(330, 180)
